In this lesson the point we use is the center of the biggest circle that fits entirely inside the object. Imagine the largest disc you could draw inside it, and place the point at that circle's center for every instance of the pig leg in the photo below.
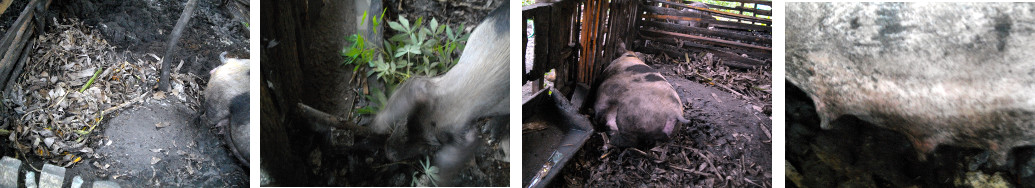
(454, 157)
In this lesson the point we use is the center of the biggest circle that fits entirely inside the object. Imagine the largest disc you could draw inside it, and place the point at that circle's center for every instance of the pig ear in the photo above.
(222, 58)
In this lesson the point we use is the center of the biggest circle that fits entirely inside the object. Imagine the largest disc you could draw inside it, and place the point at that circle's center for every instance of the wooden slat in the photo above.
(713, 23)
(18, 68)
(728, 59)
(719, 42)
(15, 39)
(4, 5)
(707, 32)
(674, 14)
(18, 26)
(751, 10)
(756, 55)
(718, 13)
(770, 3)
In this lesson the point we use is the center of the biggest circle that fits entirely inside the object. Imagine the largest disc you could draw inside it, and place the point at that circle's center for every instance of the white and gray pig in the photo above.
(636, 103)
(444, 108)
(226, 104)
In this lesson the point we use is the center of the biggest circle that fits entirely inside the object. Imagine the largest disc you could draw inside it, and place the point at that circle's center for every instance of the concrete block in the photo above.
(105, 184)
(52, 176)
(9, 172)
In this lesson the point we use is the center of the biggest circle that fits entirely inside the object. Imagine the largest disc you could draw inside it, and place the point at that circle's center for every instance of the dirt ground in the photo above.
(132, 150)
(860, 154)
(728, 142)
(368, 165)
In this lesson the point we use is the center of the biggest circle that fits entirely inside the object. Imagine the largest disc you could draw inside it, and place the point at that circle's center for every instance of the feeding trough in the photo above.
(560, 132)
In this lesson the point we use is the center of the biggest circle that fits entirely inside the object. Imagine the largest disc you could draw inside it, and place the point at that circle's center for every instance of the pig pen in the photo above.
(721, 72)
(82, 94)
(296, 150)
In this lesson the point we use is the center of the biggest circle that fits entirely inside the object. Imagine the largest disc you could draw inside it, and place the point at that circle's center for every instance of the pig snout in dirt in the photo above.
(637, 103)
(226, 101)
(443, 108)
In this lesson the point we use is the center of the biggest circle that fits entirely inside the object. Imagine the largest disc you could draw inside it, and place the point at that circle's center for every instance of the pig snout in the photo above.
(226, 104)
(443, 108)
(636, 103)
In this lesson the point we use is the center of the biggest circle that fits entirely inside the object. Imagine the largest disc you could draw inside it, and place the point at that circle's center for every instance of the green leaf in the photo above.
(439, 29)
(418, 23)
(434, 23)
(364, 18)
(405, 23)
(399, 38)
(449, 33)
(396, 26)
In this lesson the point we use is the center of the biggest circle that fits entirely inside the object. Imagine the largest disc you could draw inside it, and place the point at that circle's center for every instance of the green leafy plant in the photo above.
(377, 98)
(430, 171)
(416, 48)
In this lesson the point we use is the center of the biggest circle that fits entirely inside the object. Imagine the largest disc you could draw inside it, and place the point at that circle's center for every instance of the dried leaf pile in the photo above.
(754, 86)
(72, 82)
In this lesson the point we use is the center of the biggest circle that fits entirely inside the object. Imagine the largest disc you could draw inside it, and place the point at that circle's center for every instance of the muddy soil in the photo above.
(859, 154)
(728, 144)
(132, 150)
(135, 151)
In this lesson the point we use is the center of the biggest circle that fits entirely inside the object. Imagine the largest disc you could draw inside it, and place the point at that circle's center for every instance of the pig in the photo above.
(636, 103)
(238, 128)
(895, 65)
(443, 108)
(226, 103)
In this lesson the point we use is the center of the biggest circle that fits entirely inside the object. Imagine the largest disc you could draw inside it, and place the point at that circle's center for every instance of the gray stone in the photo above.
(105, 184)
(52, 176)
(30, 179)
(9, 172)
(77, 182)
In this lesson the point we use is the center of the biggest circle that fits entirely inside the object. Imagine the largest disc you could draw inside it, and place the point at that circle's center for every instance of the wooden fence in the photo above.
(578, 38)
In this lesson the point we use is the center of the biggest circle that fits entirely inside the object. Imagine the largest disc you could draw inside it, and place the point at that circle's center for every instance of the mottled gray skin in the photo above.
(226, 82)
(444, 107)
(637, 103)
(958, 74)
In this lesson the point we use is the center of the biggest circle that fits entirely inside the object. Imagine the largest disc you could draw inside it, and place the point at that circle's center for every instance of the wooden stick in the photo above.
(18, 68)
(188, 11)
(321, 120)
(4, 5)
